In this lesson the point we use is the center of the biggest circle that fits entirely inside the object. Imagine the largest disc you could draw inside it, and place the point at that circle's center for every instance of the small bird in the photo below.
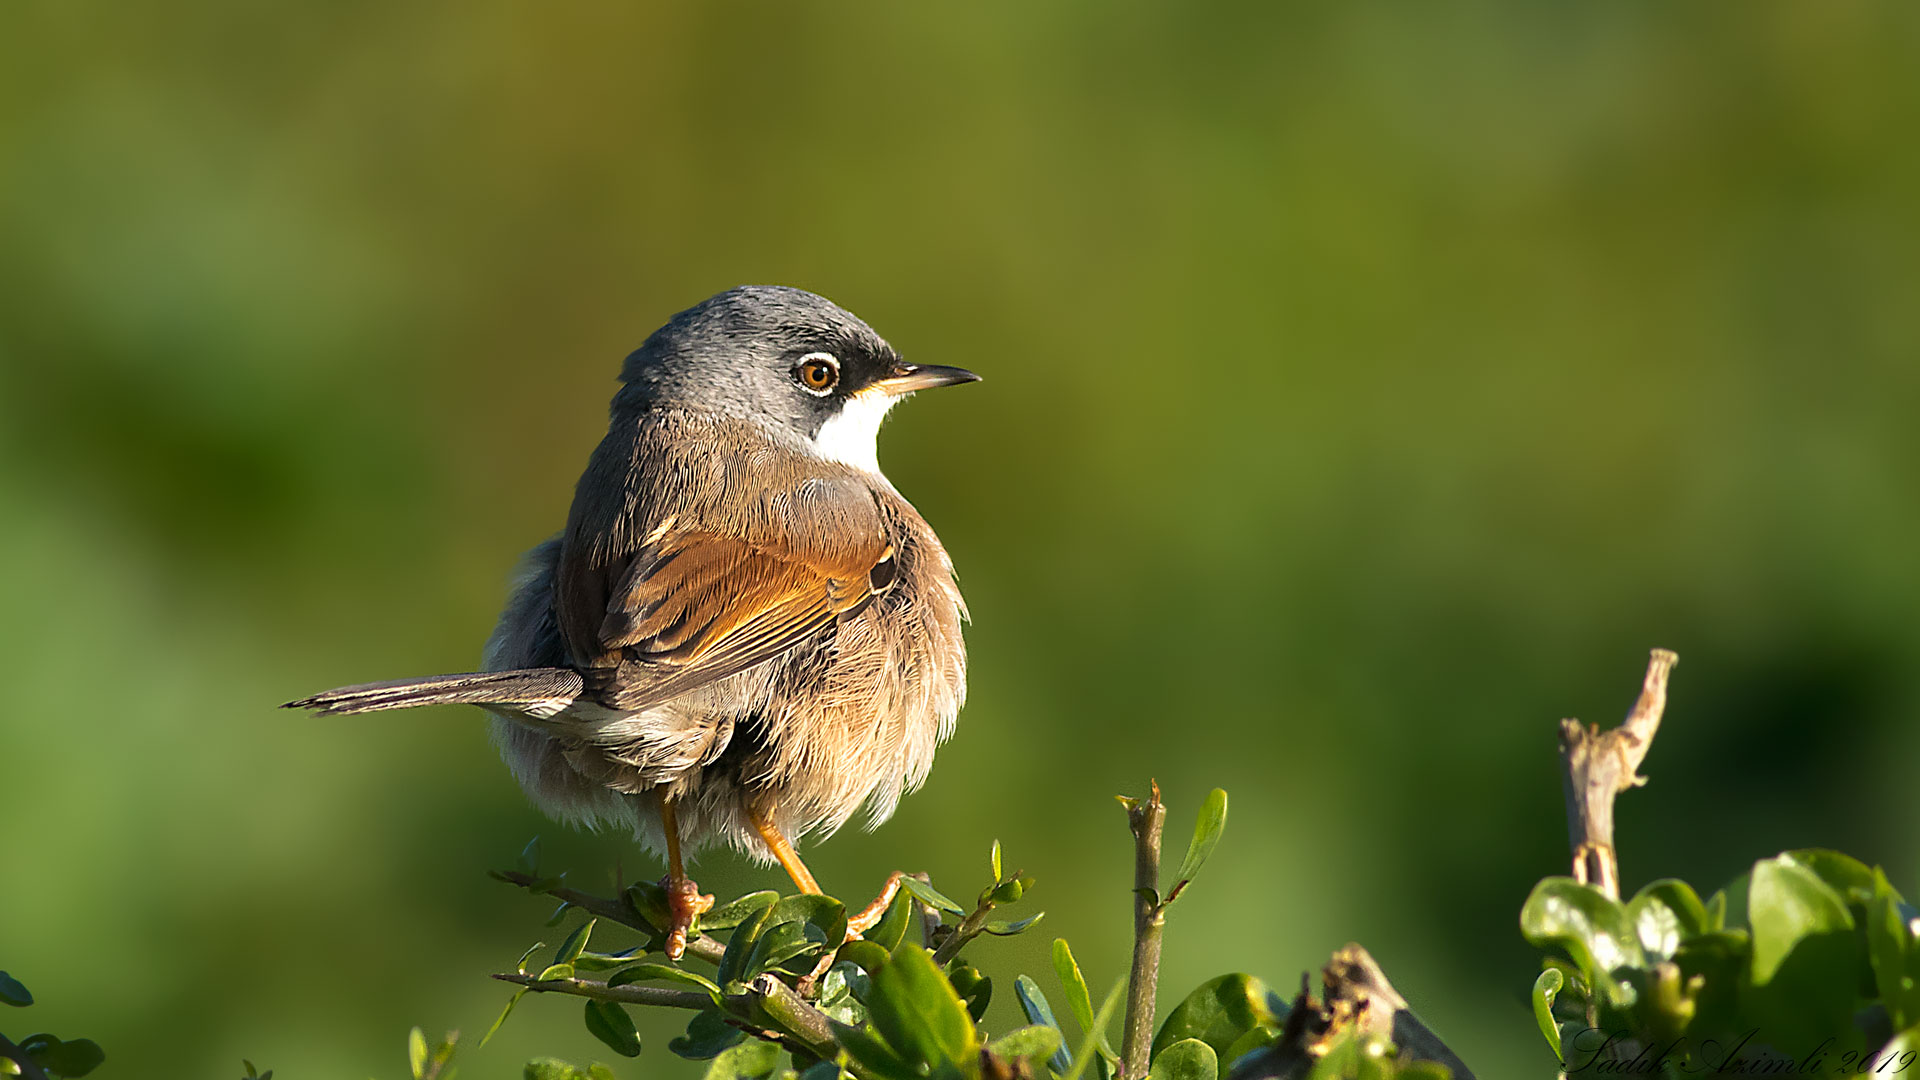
(744, 633)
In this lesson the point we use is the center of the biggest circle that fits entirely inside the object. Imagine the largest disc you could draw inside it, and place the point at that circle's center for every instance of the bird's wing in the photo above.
(704, 595)
(693, 608)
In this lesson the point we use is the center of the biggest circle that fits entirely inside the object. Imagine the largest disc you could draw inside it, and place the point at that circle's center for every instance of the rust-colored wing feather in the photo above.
(693, 608)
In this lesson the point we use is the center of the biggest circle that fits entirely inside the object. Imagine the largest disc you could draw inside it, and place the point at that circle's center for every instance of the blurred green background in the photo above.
(1368, 386)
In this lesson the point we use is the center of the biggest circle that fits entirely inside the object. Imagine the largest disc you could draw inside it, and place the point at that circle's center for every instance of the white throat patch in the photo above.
(853, 436)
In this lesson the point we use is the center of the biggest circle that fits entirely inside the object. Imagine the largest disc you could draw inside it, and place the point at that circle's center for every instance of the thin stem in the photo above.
(804, 1027)
(599, 991)
(1146, 820)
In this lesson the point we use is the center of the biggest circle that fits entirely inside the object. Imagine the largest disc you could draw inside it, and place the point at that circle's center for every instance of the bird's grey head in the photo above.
(783, 357)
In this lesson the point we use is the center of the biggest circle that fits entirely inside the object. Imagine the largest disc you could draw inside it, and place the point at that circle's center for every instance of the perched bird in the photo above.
(744, 633)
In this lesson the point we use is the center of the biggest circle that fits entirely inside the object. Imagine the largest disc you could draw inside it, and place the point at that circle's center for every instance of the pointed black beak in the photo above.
(907, 378)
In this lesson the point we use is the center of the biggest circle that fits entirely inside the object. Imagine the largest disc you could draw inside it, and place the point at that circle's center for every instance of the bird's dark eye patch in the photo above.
(817, 372)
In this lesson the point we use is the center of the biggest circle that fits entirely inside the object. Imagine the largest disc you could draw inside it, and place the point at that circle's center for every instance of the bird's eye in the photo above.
(818, 372)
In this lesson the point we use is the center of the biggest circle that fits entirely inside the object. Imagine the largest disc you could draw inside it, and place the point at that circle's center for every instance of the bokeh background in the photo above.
(1368, 387)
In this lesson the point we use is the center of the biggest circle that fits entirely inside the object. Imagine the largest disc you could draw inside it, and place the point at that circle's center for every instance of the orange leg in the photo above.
(782, 849)
(684, 901)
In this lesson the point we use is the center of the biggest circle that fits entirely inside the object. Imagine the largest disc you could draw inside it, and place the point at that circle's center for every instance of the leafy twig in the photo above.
(1146, 820)
(803, 1026)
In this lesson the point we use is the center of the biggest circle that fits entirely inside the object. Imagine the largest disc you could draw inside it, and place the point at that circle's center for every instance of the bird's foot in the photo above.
(868, 917)
(685, 903)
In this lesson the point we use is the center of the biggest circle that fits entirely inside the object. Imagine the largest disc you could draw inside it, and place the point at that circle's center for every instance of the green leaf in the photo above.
(1844, 874)
(575, 944)
(521, 965)
(1079, 1001)
(504, 1013)
(1008, 929)
(1188, 1059)
(1719, 960)
(821, 1070)
(593, 961)
(1033, 1043)
(1007, 892)
(805, 926)
(931, 896)
(1545, 989)
(733, 962)
(1206, 835)
(1593, 929)
(1034, 1004)
(996, 862)
(12, 993)
(868, 955)
(1890, 949)
(555, 971)
(1788, 904)
(863, 1046)
(842, 992)
(708, 1033)
(549, 1068)
(1665, 913)
(1218, 1012)
(975, 989)
(641, 972)
(916, 1010)
(417, 1053)
(529, 862)
(1258, 1038)
(1807, 964)
(1096, 1037)
(734, 912)
(61, 1058)
(1732, 904)
(891, 930)
(611, 1025)
(749, 1060)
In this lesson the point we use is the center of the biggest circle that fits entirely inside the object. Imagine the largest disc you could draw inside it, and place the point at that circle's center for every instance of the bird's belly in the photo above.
(808, 738)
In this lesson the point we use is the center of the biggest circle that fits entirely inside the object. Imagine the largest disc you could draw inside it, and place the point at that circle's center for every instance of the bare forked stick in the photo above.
(1597, 766)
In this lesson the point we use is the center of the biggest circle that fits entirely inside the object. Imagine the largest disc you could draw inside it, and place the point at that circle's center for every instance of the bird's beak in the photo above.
(907, 378)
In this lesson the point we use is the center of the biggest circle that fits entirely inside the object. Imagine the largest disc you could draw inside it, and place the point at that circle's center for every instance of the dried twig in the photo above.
(1359, 1000)
(1598, 766)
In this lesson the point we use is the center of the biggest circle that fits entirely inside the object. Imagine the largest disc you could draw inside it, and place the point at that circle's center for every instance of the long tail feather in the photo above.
(542, 690)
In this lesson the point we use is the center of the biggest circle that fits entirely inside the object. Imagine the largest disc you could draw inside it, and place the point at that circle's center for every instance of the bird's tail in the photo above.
(540, 691)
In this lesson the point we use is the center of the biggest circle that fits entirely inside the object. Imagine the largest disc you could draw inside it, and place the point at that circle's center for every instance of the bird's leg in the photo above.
(782, 849)
(684, 900)
(866, 919)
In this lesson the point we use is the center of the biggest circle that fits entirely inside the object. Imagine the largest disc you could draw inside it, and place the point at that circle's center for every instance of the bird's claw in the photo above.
(685, 903)
(867, 918)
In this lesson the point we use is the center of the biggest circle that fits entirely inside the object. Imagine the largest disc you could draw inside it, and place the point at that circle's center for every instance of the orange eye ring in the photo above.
(817, 372)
